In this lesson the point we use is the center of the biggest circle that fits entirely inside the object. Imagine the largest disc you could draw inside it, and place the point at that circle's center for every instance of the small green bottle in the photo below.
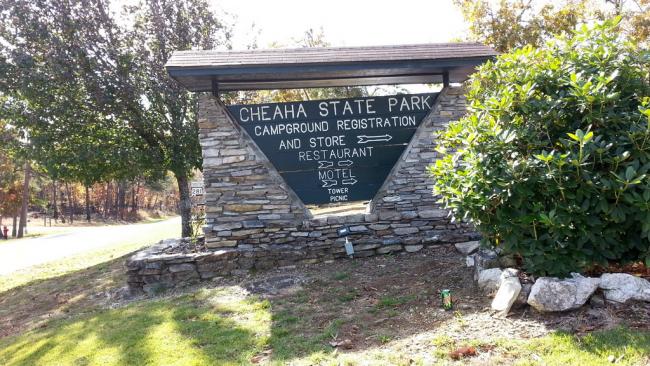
(447, 302)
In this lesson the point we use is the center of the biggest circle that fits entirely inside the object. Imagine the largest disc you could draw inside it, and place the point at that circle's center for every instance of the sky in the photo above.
(344, 22)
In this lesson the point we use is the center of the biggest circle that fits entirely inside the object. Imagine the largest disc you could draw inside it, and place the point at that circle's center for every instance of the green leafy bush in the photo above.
(552, 162)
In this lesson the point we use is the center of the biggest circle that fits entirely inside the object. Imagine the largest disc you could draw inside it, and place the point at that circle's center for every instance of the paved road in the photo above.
(25, 253)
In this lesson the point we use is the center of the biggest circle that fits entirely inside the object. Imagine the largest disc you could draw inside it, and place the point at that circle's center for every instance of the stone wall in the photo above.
(315, 240)
(243, 192)
(255, 220)
(408, 186)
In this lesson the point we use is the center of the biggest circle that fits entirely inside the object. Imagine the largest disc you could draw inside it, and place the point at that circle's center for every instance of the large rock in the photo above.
(553, 294)
(484, 259)
(508, 291)
(621, 287)
(522, 299)
(489, 280)
(467, 247)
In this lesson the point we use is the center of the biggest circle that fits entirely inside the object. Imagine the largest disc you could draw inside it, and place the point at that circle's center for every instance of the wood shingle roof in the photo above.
(322, 67)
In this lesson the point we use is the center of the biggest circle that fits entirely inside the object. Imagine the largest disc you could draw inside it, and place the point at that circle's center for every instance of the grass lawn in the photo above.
(225, 326)
(68, 286)
(376, 311)
(36, 233)
(36, 229)
(86, 260)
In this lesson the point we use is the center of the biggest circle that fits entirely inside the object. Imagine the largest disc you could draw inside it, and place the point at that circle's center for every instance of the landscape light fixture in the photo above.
(344, 232)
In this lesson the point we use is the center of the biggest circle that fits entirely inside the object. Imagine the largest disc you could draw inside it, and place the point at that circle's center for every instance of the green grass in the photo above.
(341, 276)
(391, 301)
(228, 326)
(629, 347)
(209, 327)
(225, 326)
(89, 259)
(348, 295)
(198, 329)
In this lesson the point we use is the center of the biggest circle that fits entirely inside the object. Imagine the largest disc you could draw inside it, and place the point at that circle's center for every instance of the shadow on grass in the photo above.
(28, 305)
(370, 303)
(156, 332)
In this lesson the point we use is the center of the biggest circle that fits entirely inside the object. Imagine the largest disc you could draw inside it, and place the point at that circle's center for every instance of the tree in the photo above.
(552, 161)
(53, 53)
(11, 195)
(62, 60)
(508, 24)
(162, 113)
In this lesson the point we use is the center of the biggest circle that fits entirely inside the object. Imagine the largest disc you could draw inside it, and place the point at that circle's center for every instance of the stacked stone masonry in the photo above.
(255, 221)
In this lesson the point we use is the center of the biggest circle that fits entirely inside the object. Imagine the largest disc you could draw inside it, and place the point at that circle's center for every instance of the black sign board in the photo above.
(335, 150)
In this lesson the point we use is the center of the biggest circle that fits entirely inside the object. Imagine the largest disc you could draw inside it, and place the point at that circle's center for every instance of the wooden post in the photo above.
(445, 79)
(215, 88)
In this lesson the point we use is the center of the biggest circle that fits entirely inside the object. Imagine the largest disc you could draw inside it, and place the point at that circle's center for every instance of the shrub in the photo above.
(551, 162)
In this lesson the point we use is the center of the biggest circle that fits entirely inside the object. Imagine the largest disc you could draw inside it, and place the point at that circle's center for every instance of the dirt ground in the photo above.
(372, 301)
(398, 295)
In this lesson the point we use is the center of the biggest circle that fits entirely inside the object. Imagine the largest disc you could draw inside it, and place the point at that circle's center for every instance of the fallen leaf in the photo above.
(466, 351)
(345, 344)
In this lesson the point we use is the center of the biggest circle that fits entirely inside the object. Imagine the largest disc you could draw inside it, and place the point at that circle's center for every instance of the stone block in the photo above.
(183, 267)
(621, 287)
(365, 246)
(467, 247)
(241, 207)
(406, 230)
(413, 248)
(379, 226)
(408, 215)
(358, 229)
(509, 290)
(432, 214)
(227, 226)
(550, 294)
(392, 199)
(391, 241)
(221, 244)
(389, 248)
(489, 280)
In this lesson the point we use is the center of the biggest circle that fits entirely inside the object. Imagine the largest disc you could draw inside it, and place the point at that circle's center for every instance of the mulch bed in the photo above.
(397, 295)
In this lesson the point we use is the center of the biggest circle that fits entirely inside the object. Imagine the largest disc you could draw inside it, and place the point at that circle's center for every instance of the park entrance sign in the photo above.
(266, 165)
(335, 150)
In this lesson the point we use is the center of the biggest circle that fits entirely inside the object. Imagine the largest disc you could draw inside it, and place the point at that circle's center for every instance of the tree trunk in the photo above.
(70, 204)
(25, 203)
(87, 204)
(13, 227)
(184, 204)
(122, 199)
(133, 194)
(116, 205)
(155, 202)
(56, 207)
(136, 202)
(109, 195)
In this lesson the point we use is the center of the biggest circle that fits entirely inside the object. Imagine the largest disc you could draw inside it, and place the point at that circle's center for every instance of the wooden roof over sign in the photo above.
(326, 67)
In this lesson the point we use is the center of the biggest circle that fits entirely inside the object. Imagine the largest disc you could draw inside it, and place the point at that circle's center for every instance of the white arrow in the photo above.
(325, 164)
(345, 163)
(349, 181)
(329, 183)
(363, 139)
